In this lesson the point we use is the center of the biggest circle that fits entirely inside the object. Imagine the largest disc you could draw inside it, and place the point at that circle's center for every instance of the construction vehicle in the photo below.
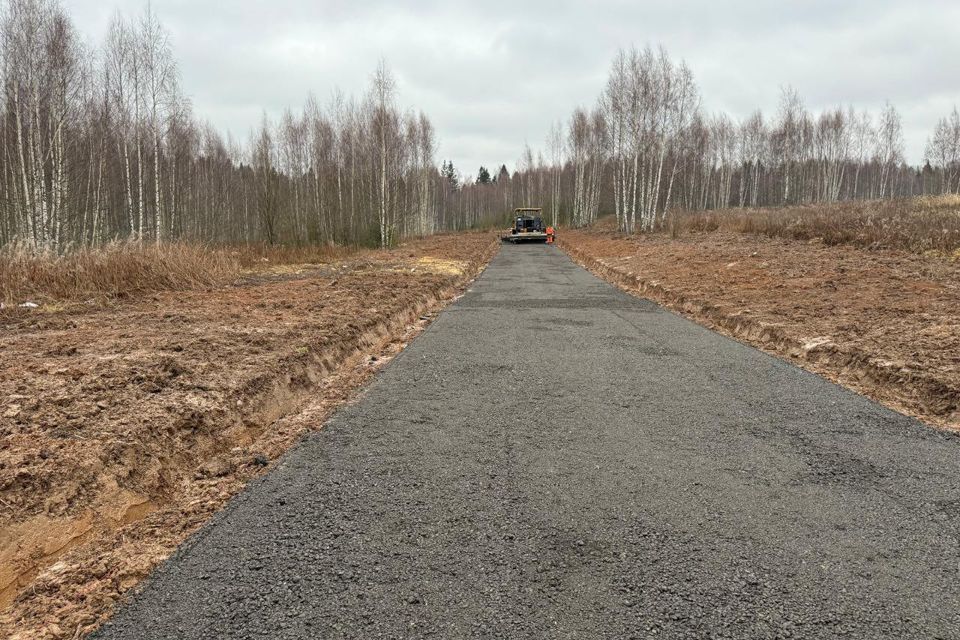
(528, 227)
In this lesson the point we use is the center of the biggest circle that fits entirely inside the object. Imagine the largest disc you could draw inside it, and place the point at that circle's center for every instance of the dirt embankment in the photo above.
(884, 323)
(124, 428)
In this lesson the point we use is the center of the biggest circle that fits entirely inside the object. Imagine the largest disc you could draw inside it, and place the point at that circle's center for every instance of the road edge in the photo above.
(344, 374)
(842, 366)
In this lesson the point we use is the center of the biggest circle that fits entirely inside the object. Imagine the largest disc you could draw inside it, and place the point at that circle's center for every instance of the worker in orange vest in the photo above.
(550, 235)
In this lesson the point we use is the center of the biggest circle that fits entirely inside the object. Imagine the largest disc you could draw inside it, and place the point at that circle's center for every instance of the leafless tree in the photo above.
(889, 147)
(160, 87)
(943, 152)
(41, 86)
(102, 144)
(555, 144)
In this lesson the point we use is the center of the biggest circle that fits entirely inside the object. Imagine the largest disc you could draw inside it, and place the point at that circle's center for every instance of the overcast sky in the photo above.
(494, 75)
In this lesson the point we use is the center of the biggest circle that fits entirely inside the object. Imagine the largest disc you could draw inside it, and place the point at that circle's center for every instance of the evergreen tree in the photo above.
(483, 176)
(450, 175)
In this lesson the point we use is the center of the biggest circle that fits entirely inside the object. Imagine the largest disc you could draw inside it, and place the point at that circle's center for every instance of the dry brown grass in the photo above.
(125, 269)
(929, 224)
(253, 256)
(114, 271)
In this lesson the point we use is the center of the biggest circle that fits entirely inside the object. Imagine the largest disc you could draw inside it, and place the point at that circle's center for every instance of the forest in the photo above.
(103, 145)
(647, 147)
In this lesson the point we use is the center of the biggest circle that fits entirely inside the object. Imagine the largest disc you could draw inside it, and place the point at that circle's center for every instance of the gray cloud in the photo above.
(495, 75)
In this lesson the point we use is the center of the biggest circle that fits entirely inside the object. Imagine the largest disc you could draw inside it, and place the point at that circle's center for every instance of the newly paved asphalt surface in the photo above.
(553, 458)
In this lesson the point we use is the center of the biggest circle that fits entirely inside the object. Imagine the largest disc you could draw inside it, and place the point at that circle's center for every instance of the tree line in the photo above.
(99, 144)
(102, 144)
(647, 147)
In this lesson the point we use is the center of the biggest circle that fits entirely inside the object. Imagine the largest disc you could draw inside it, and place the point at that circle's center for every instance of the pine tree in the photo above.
(450, 174)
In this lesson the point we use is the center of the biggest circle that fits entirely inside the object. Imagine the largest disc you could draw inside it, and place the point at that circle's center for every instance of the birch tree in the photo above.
(555, 144)
(889, 147)
(943, 152)
(159, 78)
(383, 123)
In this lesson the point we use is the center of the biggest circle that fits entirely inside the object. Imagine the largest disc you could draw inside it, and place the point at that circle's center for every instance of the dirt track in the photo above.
(555, 458)
(124, 428)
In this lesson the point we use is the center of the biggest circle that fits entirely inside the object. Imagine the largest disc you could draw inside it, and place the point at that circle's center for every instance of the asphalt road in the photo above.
(553, 458)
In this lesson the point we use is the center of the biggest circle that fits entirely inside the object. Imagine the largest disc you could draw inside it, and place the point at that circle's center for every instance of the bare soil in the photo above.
(651, 480)
(884, 323)
(124, 427)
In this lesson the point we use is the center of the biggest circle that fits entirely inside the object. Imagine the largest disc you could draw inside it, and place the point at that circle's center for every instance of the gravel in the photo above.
(554, 458)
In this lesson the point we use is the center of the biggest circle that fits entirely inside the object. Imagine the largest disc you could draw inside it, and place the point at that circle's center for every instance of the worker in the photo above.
(550, 235)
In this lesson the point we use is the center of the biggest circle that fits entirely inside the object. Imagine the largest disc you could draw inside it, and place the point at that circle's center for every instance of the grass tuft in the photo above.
(127, 269)
(114, 271)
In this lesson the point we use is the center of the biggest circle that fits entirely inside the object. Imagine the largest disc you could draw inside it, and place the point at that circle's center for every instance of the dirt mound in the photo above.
(881, 322)
(125, 427)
